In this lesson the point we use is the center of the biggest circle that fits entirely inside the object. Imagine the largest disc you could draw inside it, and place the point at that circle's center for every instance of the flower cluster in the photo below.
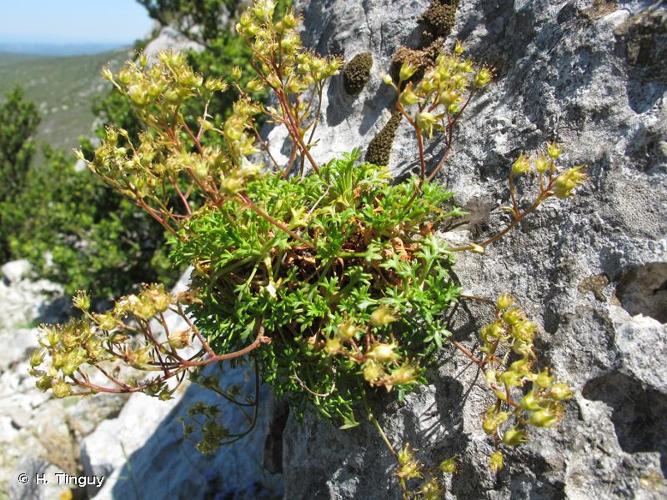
(295, 76)
(524, 395)
(171, 166)
(430, 486)
(438, 99)
(551, 179)
(544, 178)
(134, 331)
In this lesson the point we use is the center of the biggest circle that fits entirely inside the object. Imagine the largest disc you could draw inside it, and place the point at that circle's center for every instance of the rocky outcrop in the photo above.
(143, 453)
(169, 39)
(38, 434)
(593, 270)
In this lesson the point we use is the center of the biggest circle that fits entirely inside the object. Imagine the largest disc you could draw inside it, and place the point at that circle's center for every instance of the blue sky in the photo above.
(73, 21)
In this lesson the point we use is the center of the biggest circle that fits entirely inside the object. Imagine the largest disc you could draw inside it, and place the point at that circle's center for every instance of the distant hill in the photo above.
(63, 89)
(57, 49)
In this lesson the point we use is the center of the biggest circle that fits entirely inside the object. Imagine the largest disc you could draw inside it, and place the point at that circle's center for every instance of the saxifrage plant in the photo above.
(331, 277)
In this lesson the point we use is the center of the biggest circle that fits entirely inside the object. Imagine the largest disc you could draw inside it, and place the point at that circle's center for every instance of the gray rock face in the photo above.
(169, 39)
(15, 271)
(38, 434)
(592, 270)
(143, 453)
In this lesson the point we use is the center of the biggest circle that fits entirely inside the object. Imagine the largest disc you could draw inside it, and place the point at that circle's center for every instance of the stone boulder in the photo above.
(16, 270)
(589, 74)
(169, 39)
(143, 452)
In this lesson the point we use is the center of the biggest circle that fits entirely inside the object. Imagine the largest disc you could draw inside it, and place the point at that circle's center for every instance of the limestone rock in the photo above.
(169, 39)
(586, 74)
(15, 270)
(143, 452)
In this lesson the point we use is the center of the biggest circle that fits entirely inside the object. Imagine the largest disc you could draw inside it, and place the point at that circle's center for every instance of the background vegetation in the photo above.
(73, 229)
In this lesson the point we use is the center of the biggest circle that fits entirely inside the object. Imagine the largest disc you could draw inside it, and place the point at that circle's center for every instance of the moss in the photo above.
(440, 17)
(379, 149)
(357, 72)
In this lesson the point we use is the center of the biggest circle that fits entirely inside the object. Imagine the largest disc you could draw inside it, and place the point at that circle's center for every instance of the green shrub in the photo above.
(368, 274)
(18, 122)
(78, 232)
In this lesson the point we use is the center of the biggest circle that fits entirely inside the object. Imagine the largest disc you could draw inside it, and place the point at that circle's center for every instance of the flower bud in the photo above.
(36, 358)
(254, 86)
(388, 80)
(81, 301)
(513, 316)
(382, 316)
(512, 378)
(493, 420)
(383, 353)
(179, 340)
(530, 402)
(215, 85)
(543, 418)
(373, 372)
(482, 78)
(105, 321)
(521, 165)
(449, 466)
(409, 467)
(505, 300)
(406, 72)
(496, 461)
(263, 10)
(347, 330)
(475, 248)
(431, 490)
(61, 389)
(542, 164)
(514, 437)
(408, 97)
(561, 392)
(107, 74)
(52, 336)
(44, 383)
(568, 181)
(333, 346)
(427, 122)
(290, 20)
(553, 150)
(232, 185)
(404, 375)
(543, 379)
